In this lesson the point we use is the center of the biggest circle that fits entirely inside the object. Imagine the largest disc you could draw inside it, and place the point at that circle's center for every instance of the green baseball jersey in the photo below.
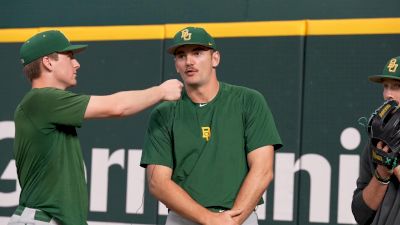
(48, 154)
(206, 144)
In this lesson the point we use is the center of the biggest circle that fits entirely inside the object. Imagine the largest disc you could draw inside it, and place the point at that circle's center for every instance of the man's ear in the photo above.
(47, 64)
(215, 59)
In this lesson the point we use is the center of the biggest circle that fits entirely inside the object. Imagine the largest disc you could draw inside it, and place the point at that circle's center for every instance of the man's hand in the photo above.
(171, 89)
(224, 218)
(383, 170)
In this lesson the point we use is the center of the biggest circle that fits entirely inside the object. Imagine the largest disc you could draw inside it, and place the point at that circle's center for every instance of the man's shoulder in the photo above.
(44, 92)
(165, 107)
(241, 90)
(43, 98)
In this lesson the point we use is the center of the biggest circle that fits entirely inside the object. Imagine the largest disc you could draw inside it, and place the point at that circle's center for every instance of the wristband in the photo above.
(380, 179)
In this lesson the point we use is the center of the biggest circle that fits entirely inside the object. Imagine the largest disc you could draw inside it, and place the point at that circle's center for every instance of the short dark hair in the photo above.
(32, 70)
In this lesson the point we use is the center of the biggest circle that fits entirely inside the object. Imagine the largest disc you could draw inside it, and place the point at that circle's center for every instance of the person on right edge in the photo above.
(376, 199)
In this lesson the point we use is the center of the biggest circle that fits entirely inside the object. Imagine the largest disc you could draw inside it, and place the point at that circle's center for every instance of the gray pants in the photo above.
(28, 218)
(175, 219)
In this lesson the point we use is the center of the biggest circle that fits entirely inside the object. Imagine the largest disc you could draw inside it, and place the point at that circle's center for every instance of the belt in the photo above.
(39, 214)
(217, 208)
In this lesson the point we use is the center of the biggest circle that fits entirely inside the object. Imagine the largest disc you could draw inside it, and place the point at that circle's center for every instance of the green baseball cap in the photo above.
(192, 36)
(391, 71)
(45, 43)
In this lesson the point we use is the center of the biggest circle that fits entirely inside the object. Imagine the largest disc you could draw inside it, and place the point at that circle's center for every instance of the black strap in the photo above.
(389, 160)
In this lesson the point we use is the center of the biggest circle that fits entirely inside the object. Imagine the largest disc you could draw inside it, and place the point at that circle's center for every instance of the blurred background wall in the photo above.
(309, 58)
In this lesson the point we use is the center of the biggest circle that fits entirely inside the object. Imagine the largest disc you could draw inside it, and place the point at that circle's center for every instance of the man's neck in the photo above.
(203, 94)
(41, 82)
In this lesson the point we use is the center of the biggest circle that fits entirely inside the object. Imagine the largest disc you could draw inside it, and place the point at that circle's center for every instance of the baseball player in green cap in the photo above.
(209, 156)
(376, 199)
(46, 147)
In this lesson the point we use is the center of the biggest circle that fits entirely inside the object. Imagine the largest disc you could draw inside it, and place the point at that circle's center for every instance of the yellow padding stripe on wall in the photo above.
(218, 30)
(354, 26)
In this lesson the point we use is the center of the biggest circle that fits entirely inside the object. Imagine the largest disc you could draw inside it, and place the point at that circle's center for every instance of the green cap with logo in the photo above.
(391, 71)
(192, 36)
(45, 43)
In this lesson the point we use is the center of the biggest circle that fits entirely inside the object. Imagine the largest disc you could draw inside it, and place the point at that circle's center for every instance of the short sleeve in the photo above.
(52, 107)
(158, 141)
(259, 128)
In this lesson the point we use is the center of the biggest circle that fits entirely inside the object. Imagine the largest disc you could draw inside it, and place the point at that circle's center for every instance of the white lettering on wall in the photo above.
(348, 174)
(162, 209)
(319, 170)
(286, 167)
(135, 183)
(350, 139)
(284, 186)
(320, 177)
(101, 161)
(9, 199)
(262, 209)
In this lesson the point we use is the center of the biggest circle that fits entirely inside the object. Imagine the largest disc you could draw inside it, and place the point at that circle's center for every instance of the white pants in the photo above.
(28, 218)
(175, 219)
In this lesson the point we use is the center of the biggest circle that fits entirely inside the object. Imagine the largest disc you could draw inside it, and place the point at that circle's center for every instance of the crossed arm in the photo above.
(260, 174)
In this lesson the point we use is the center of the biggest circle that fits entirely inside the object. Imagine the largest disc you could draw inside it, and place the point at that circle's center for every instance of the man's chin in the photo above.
(192, 84)
(72, 85)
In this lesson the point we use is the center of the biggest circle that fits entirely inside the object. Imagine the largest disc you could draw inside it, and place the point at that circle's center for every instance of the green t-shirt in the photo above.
(206, 144)
(48, 154)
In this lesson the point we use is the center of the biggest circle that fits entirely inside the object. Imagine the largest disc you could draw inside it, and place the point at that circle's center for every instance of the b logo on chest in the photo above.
(206, 133)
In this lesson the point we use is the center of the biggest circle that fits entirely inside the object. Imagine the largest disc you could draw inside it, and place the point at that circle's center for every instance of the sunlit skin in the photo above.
(60, 73)
(65, 70)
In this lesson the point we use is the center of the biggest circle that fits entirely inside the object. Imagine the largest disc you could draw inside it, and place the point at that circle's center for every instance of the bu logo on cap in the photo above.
(186, 35)
(392, 66)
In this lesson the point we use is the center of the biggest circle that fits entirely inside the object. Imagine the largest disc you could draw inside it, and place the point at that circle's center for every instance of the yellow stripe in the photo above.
(245, 29)
(89, 33)
(354, 26)
(218, 30)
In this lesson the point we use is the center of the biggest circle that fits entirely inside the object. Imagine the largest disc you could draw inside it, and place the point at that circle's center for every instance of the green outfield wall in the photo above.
(310, 59)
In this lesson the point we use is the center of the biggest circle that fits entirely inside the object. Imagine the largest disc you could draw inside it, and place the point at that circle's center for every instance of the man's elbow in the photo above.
(153, 189)
(265, 176)
(118, 111)
(268, 177)
(156, 188)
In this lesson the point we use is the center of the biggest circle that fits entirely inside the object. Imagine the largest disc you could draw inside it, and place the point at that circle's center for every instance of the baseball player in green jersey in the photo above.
(209, 156)
(46, 148)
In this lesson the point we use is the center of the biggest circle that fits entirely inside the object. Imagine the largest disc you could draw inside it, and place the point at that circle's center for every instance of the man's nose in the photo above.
(189, 60)
(76, 64)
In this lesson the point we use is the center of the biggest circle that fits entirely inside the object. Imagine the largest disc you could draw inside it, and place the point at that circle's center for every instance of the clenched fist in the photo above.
(171, 89)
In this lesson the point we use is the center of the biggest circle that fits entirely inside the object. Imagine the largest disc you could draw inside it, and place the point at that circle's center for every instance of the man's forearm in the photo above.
(260, 175)
(250, 193)
(127, 103)
(176, 199)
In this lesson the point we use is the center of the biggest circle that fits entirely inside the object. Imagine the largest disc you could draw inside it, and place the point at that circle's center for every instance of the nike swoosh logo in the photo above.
(201, 105)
